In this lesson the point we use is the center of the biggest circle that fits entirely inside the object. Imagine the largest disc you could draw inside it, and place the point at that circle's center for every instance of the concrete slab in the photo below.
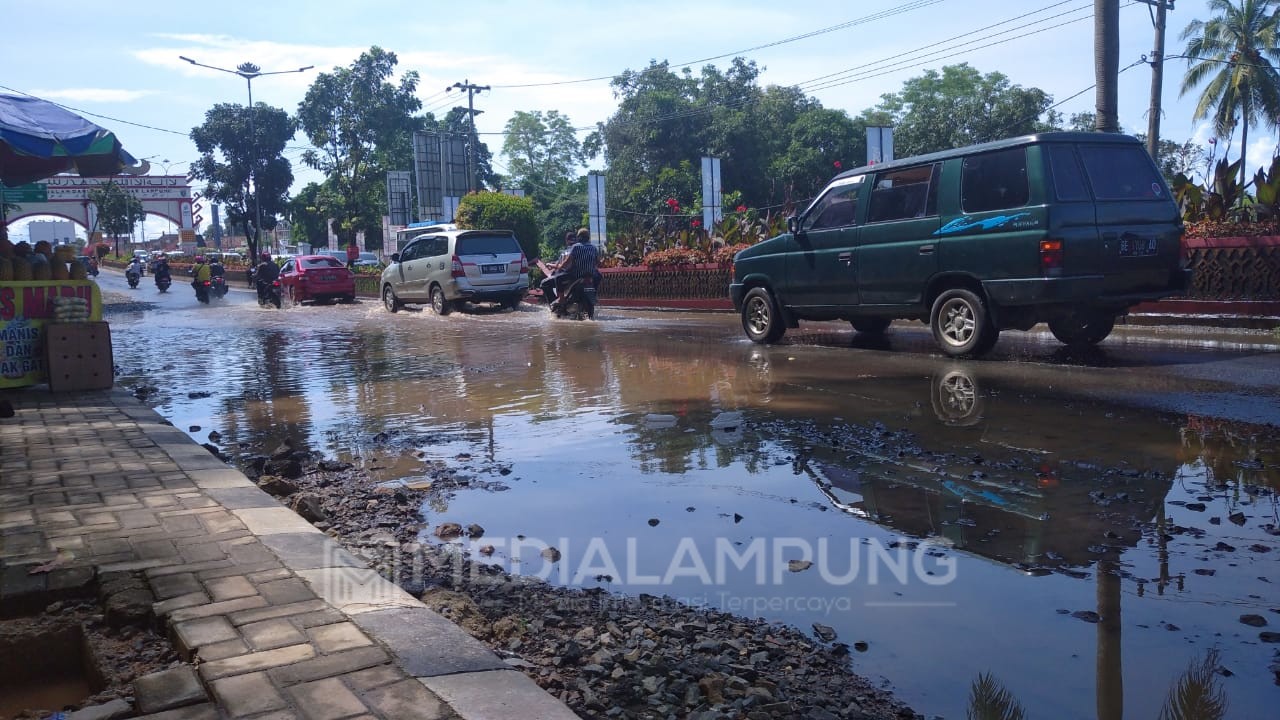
(426, 644)
(497, 694)
(273, 520)
(309, 551)
(238, 498)
(356, 590)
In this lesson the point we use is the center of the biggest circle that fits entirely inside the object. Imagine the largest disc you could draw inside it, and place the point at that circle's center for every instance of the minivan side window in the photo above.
(994, 181)
(838, 208)
(436, 246)
(904, 194)
(1121, 172)
(1068, 180)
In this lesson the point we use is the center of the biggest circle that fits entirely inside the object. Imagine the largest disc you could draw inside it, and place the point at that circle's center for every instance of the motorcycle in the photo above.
(269, 294)
(133, 277)
(202, 290)
(577, 301)
(218, 286)
(163, 282)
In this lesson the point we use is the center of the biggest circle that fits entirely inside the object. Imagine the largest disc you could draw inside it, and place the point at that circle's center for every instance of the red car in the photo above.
(317, 278)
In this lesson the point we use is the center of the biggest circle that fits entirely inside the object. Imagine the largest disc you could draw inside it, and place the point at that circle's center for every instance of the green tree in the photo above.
(306, 221)
(542, 150)
(358, 122)
(1235, 54)
(118, 211)
(497, 211)
(231, 156)
(960, 106)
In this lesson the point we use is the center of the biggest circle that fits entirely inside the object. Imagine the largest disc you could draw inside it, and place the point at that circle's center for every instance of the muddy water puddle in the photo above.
(1071, 529)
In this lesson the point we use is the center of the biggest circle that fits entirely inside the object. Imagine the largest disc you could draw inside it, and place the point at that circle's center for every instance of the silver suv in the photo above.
(449, 267)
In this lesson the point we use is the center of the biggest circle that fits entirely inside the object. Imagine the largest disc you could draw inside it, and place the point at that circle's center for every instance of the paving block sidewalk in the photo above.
(278, 621)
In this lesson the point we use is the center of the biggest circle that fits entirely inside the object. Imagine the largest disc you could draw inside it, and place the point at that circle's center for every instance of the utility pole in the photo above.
(1157, 76)
(1106, 62)
(473, 161)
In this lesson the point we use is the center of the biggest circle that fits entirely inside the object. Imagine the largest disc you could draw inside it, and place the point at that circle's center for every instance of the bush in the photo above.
(496, 211)
(724, 255)
(675, 256)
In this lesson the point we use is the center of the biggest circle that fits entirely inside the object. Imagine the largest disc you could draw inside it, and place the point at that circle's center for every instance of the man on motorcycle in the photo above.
(161, 269)
(134, 271)
(265, 274)
(216, 268)
(580, 263)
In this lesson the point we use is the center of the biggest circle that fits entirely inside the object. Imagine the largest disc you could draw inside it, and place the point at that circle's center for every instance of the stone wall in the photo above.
(1235, 268)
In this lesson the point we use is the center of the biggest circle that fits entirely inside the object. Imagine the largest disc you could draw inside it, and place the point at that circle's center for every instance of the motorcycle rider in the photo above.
(200, 271)
(580, 263)
(265, 273)
(216, 268)
(134, 272)
(161, 269)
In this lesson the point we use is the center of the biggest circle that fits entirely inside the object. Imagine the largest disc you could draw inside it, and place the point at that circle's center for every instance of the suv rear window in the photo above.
(994, 181)
(1121, 173)
(487, 245)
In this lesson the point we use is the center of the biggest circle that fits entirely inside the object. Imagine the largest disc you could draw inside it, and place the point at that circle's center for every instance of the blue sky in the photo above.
(118, 62)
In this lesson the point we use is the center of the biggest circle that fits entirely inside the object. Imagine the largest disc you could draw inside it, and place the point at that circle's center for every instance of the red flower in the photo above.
(673, 205)
(837, 164)
(697, 223)
(741, 208)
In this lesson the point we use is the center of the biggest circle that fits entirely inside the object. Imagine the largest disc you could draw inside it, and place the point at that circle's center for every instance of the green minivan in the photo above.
(1071, 229)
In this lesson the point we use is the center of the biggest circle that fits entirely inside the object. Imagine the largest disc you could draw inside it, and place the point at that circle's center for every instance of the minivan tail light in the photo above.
(1050, 257)
(457, 272)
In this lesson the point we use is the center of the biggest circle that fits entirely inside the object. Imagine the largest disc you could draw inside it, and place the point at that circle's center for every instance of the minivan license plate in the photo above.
(489, 269)
(1137, 246)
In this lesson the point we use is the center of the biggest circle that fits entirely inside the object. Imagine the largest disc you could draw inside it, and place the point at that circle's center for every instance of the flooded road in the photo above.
(1081, 527)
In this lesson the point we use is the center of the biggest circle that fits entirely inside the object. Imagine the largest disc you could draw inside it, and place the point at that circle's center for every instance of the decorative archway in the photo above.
(67, 196)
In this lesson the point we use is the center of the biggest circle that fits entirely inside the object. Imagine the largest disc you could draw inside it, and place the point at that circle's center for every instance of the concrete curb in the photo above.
(440, 655)
(271, 614)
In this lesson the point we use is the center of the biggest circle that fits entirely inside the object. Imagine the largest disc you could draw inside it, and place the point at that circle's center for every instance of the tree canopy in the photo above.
(118, 211)
(960, 106)
(1235, 54)
(359, 123)
(231, 156)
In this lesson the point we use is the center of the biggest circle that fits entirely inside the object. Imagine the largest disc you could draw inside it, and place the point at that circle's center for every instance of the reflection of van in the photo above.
(1072, 229)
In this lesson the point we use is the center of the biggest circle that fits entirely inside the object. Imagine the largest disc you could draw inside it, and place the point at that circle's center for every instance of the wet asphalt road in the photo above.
(1083, 526)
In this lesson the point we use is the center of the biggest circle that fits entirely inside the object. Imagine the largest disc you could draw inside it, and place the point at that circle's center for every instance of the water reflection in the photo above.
(1049, 500)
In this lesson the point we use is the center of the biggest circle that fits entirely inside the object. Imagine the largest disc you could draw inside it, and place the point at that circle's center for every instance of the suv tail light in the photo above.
(1051, 257)
(457, 271)
(524, 264)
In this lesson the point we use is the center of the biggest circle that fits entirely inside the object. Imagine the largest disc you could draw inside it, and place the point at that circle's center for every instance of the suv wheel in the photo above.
(761, 319)
(1083, 328)
(390, 300)
(962, 324)
(438, 303)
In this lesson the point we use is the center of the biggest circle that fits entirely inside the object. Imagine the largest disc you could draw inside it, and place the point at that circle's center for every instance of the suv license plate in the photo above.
(1137, 247)
(490, 269)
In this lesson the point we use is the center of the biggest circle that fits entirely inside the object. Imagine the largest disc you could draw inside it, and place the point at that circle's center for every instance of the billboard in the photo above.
(440, 167)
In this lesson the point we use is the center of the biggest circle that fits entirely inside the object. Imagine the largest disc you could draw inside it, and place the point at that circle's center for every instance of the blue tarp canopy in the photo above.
(39, 139)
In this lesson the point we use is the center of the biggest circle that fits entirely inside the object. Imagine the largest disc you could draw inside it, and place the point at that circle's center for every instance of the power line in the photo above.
(913, 5)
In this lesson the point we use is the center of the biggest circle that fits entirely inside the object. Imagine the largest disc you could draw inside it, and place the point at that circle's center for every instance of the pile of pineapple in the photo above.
(63, 266)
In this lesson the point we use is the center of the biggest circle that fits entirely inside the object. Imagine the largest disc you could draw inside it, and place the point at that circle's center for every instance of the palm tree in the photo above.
(1236, 51)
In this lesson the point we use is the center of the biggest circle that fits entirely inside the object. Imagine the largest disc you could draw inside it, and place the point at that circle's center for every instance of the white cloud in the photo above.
(1260, 153)
(93, 94)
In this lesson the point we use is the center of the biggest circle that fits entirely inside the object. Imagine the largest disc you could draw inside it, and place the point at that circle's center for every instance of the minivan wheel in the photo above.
(871, 325)
(438, 303)
(761, 318)
(1082, 328)
(962, 324)
(390, 300)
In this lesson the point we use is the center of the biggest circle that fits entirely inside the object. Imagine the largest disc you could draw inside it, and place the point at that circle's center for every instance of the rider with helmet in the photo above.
(266, 273)
(200, 271)
(161, 269)
(215, 267)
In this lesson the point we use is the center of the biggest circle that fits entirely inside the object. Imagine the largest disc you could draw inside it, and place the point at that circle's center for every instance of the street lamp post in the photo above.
(249, 71)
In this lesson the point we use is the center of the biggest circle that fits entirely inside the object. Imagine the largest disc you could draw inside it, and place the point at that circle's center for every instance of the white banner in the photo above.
(596, 208)
(712, 193)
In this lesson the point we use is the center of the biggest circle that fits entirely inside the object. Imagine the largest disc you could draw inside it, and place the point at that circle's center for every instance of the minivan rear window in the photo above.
(994, 181)
(487, 245)
(1121, 172)
(1068, 181)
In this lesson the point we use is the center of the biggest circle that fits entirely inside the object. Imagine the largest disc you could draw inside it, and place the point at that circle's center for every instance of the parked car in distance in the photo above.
(1071, 229)
(317, 278)
(449, 267)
